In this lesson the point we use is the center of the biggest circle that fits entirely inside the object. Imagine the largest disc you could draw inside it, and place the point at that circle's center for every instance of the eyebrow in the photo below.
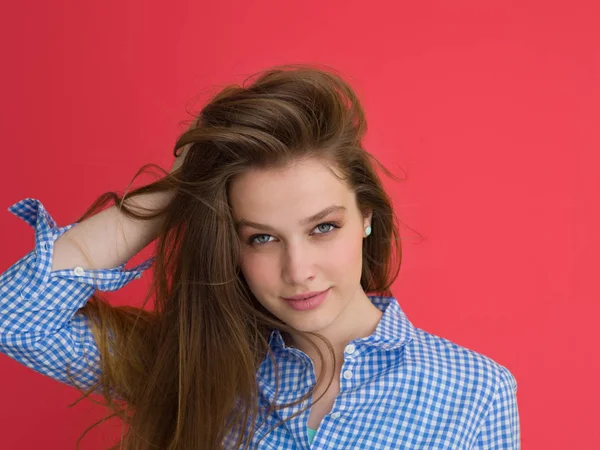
(318, 216)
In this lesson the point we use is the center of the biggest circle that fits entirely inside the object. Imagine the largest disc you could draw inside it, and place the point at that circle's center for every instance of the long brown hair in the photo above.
(182, 374)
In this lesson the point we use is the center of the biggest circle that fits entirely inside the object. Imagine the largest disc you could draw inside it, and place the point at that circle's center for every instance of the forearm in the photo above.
(108, 238)
(41, 322)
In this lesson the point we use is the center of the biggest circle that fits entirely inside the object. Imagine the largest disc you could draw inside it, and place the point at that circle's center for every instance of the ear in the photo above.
(367, 217)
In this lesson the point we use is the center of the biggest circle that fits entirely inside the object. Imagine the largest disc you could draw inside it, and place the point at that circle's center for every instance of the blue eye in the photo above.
(326, 225)
(256, 236)
(254, 240)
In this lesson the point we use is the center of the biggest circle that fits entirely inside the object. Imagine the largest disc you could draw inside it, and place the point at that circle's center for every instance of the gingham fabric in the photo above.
(400, 388)
(39, 322)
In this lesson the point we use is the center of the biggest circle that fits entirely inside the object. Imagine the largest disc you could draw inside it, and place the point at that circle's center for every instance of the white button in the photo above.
(78, 271)
(335, 415)
(138, 276)
(348, 374)
(350, 348)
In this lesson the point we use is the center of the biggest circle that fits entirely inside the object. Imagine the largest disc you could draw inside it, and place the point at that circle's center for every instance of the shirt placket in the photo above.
(340, 408)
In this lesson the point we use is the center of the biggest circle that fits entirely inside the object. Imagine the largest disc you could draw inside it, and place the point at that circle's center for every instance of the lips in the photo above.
(305, 296)
(302, 303)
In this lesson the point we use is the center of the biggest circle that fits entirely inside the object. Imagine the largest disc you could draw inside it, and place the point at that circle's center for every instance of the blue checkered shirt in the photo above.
(400, 388)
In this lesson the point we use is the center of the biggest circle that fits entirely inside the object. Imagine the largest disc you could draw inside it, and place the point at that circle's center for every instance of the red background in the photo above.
(491, 107)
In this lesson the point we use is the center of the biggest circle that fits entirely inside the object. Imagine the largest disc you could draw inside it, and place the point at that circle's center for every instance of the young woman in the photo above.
(273, 326)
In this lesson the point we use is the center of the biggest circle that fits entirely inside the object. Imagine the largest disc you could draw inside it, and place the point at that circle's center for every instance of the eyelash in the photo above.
(335, 225)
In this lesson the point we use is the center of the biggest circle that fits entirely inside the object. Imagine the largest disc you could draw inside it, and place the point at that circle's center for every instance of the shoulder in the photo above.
(458, 369)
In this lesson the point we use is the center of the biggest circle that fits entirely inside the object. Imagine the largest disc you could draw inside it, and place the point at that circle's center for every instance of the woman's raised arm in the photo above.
(40, 325)
(108, 238)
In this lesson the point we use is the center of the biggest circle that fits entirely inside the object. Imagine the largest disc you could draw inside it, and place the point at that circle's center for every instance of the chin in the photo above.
(318, 322)
(310, 325)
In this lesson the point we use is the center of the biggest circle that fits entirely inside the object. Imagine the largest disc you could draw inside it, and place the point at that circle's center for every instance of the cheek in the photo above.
(258, 270)
(345, 258)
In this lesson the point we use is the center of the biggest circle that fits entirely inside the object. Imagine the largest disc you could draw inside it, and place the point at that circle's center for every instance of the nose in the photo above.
(297, 265)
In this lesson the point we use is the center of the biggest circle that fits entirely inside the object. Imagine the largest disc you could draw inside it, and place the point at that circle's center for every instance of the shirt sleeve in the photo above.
(40, 325)
(501, 428)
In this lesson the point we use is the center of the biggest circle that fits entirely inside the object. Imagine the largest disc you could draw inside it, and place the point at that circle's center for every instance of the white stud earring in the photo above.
(368, 231)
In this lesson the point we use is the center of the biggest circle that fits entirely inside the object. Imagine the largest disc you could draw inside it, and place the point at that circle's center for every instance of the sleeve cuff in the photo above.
(47, 232)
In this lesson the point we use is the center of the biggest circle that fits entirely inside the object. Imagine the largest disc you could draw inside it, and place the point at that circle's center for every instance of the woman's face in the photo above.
(286, 254)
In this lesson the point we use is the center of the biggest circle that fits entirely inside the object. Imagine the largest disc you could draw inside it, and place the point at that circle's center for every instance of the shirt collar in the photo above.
(393, 330)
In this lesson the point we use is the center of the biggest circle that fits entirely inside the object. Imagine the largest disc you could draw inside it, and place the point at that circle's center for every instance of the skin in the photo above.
(286, 258)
